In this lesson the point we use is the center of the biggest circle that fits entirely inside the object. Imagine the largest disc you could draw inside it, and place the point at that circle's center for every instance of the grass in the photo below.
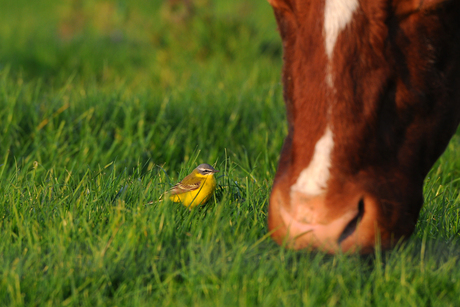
(96, 96)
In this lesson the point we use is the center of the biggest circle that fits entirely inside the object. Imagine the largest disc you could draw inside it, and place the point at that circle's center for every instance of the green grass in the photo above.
(100, 95)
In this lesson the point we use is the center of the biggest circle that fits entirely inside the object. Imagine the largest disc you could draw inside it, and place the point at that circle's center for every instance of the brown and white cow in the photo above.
(372, 92)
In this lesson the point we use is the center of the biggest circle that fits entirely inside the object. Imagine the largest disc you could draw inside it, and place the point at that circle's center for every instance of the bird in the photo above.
(196, 188)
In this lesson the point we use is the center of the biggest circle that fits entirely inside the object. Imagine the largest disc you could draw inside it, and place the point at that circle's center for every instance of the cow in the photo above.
(372, 96)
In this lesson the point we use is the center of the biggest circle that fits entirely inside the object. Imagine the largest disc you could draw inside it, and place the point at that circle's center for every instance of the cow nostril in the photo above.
(351, 227)
(361, 207)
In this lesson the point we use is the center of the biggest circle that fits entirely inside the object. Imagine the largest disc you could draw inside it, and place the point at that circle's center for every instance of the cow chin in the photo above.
(345, 224)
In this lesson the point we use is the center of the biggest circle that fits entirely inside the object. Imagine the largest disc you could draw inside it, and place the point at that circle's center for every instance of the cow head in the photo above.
(372, 93)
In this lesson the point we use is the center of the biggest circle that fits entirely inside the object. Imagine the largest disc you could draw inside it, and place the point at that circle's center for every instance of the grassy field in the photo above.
(100, 95)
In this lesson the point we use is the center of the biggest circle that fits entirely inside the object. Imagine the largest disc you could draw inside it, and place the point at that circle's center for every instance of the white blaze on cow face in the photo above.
(337, 14)
(312, 180)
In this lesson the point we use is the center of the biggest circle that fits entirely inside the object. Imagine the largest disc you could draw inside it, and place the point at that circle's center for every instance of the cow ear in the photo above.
(408, 7)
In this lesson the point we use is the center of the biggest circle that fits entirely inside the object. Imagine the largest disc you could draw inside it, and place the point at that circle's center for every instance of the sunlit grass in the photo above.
(105, 105)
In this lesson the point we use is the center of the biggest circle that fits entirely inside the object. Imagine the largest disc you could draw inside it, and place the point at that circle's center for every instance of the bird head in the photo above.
(205, 170)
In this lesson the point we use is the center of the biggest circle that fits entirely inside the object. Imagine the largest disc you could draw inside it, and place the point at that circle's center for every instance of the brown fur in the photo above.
(395, 106)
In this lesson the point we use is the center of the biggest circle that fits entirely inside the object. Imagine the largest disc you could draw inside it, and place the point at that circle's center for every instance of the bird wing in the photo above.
(187, 184)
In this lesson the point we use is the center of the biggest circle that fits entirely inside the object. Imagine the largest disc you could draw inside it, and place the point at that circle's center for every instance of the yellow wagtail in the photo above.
(196, 188)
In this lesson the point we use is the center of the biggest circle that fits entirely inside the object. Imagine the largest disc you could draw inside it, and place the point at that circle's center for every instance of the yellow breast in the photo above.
(199, 196)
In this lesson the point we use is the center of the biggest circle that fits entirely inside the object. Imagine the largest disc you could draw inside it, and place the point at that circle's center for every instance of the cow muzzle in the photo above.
(346, 223)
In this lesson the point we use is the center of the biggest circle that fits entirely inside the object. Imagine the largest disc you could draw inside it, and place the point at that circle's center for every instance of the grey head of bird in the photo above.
(206, 169)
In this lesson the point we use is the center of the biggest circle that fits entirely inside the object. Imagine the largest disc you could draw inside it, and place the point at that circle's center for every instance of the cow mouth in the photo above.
(353, 224)
(326, 237)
